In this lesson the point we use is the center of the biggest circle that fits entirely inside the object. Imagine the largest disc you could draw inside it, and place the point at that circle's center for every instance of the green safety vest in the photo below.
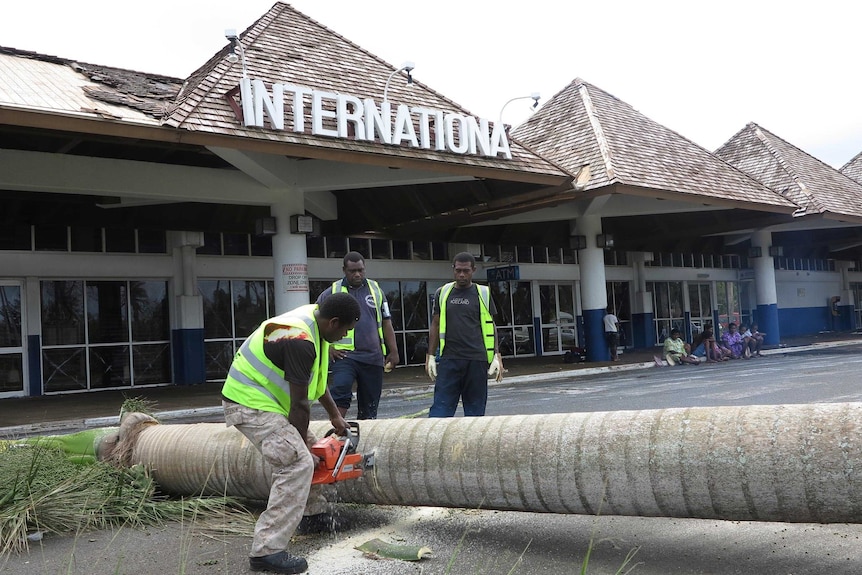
(347, 342)
(487, 320)
(255, 382)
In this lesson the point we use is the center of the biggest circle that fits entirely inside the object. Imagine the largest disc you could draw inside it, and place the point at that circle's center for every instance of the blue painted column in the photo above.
(643, 332)
(764, 282)
(187, 335)
(594, 295)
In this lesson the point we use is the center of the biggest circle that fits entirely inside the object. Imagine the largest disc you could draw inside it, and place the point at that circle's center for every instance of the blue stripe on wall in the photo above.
(34, 365)
(594, 335)
(187, 346)
(803, 320)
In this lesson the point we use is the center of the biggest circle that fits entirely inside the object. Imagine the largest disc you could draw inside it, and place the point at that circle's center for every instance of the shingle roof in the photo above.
(48, 83)
(853, 168)
(585, 125)
(814, 186)
(284, 45)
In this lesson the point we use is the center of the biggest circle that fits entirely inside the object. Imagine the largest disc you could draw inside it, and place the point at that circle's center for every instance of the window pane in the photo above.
(524, 254)
(503, 302)
(522, 303)
(414, 305)
(261, 246)
(438, 251)
(548, 302)
(694, 300)
(336, 247)
(421, 250)
(14, 237)
(217, 308)
(249, 306)
(400, 250)
(86, 239)
(107, 312)
(393, 296)
(317, 287)
(566, 298)
(109, 366)
(490, 252)
(540, 254)
(212, 244)
(417, 346)
(152, 363)
(120, 240)
(219, 355)
(152, 242)
(10, 316)
(314, 245)
(360, 245)
(11, 372)
(381, 249)
(235, 244)
(64, 369)
(62, 312)
(50, 238)
(149, 302)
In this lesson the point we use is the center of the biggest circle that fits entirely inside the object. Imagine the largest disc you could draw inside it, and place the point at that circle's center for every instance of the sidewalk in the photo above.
(61, 413)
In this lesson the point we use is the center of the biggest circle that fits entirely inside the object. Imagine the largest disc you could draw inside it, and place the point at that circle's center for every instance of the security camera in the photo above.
(408, 66)
(230, 34)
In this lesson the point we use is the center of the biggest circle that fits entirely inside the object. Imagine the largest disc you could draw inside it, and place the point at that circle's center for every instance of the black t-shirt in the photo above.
(464, 339)
(290, 349)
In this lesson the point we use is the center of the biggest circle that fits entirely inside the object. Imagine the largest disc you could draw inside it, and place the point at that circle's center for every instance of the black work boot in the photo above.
(281, 562)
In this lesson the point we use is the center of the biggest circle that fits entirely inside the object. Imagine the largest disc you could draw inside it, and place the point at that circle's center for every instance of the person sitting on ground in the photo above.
(732, 340)
(749, 343)
(757, 338)
(705, 346)
(676, 351)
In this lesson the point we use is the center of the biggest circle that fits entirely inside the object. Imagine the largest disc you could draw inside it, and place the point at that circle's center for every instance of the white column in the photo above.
(289, 255)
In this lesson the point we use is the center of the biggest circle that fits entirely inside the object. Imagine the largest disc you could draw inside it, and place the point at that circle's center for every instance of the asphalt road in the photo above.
(493, 542)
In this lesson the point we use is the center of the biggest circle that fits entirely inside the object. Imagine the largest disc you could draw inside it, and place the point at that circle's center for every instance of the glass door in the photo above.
(559, 333)
(12, 365)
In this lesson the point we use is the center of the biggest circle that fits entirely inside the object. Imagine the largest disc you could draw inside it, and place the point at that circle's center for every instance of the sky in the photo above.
(703, 69)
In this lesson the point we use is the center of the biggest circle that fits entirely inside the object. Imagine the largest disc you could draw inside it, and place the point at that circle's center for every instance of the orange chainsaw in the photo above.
(337, 456)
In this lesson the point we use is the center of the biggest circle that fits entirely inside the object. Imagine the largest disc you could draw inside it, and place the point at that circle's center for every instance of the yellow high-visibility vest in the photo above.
(485, 314)
(348, 342)
(255, 382)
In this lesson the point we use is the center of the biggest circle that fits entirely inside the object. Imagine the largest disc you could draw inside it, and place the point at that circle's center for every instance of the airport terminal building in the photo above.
(150, 223)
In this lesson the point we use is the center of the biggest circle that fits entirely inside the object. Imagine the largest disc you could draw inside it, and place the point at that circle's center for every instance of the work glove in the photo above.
(496, 368)
(431, 367)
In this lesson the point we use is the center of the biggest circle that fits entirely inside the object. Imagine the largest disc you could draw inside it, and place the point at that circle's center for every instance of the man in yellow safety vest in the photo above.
(275, 375)
(462, 324)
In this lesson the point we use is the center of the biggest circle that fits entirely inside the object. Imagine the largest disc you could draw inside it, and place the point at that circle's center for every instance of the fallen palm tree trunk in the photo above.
(794, 463)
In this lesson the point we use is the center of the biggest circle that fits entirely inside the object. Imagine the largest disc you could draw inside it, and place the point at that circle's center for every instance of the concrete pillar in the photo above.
(643, 332)
(289, 255)
(187, 333)
(767, 295)
(594, 295)
(792, 463)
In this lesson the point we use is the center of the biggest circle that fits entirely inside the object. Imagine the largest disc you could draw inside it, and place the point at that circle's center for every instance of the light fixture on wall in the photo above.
(236, 53)
(266, 226)
(406, 67)
(776, 251)
(578, 242)
(301, 224)
(755, 252)
(605, 241)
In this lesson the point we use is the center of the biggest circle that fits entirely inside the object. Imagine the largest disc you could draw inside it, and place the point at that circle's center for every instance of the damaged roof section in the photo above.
(33, 80)
(817, 188)
(584, 125)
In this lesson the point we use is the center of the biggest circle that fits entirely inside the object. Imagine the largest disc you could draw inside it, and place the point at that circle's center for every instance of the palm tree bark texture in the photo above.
(791, 463)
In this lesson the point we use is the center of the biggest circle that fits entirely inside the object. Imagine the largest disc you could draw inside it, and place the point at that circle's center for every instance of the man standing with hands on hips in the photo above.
(367, 350)
(462, 325)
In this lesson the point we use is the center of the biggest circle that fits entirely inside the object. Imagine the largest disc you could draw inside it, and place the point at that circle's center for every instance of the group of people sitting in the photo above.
(736, 343)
